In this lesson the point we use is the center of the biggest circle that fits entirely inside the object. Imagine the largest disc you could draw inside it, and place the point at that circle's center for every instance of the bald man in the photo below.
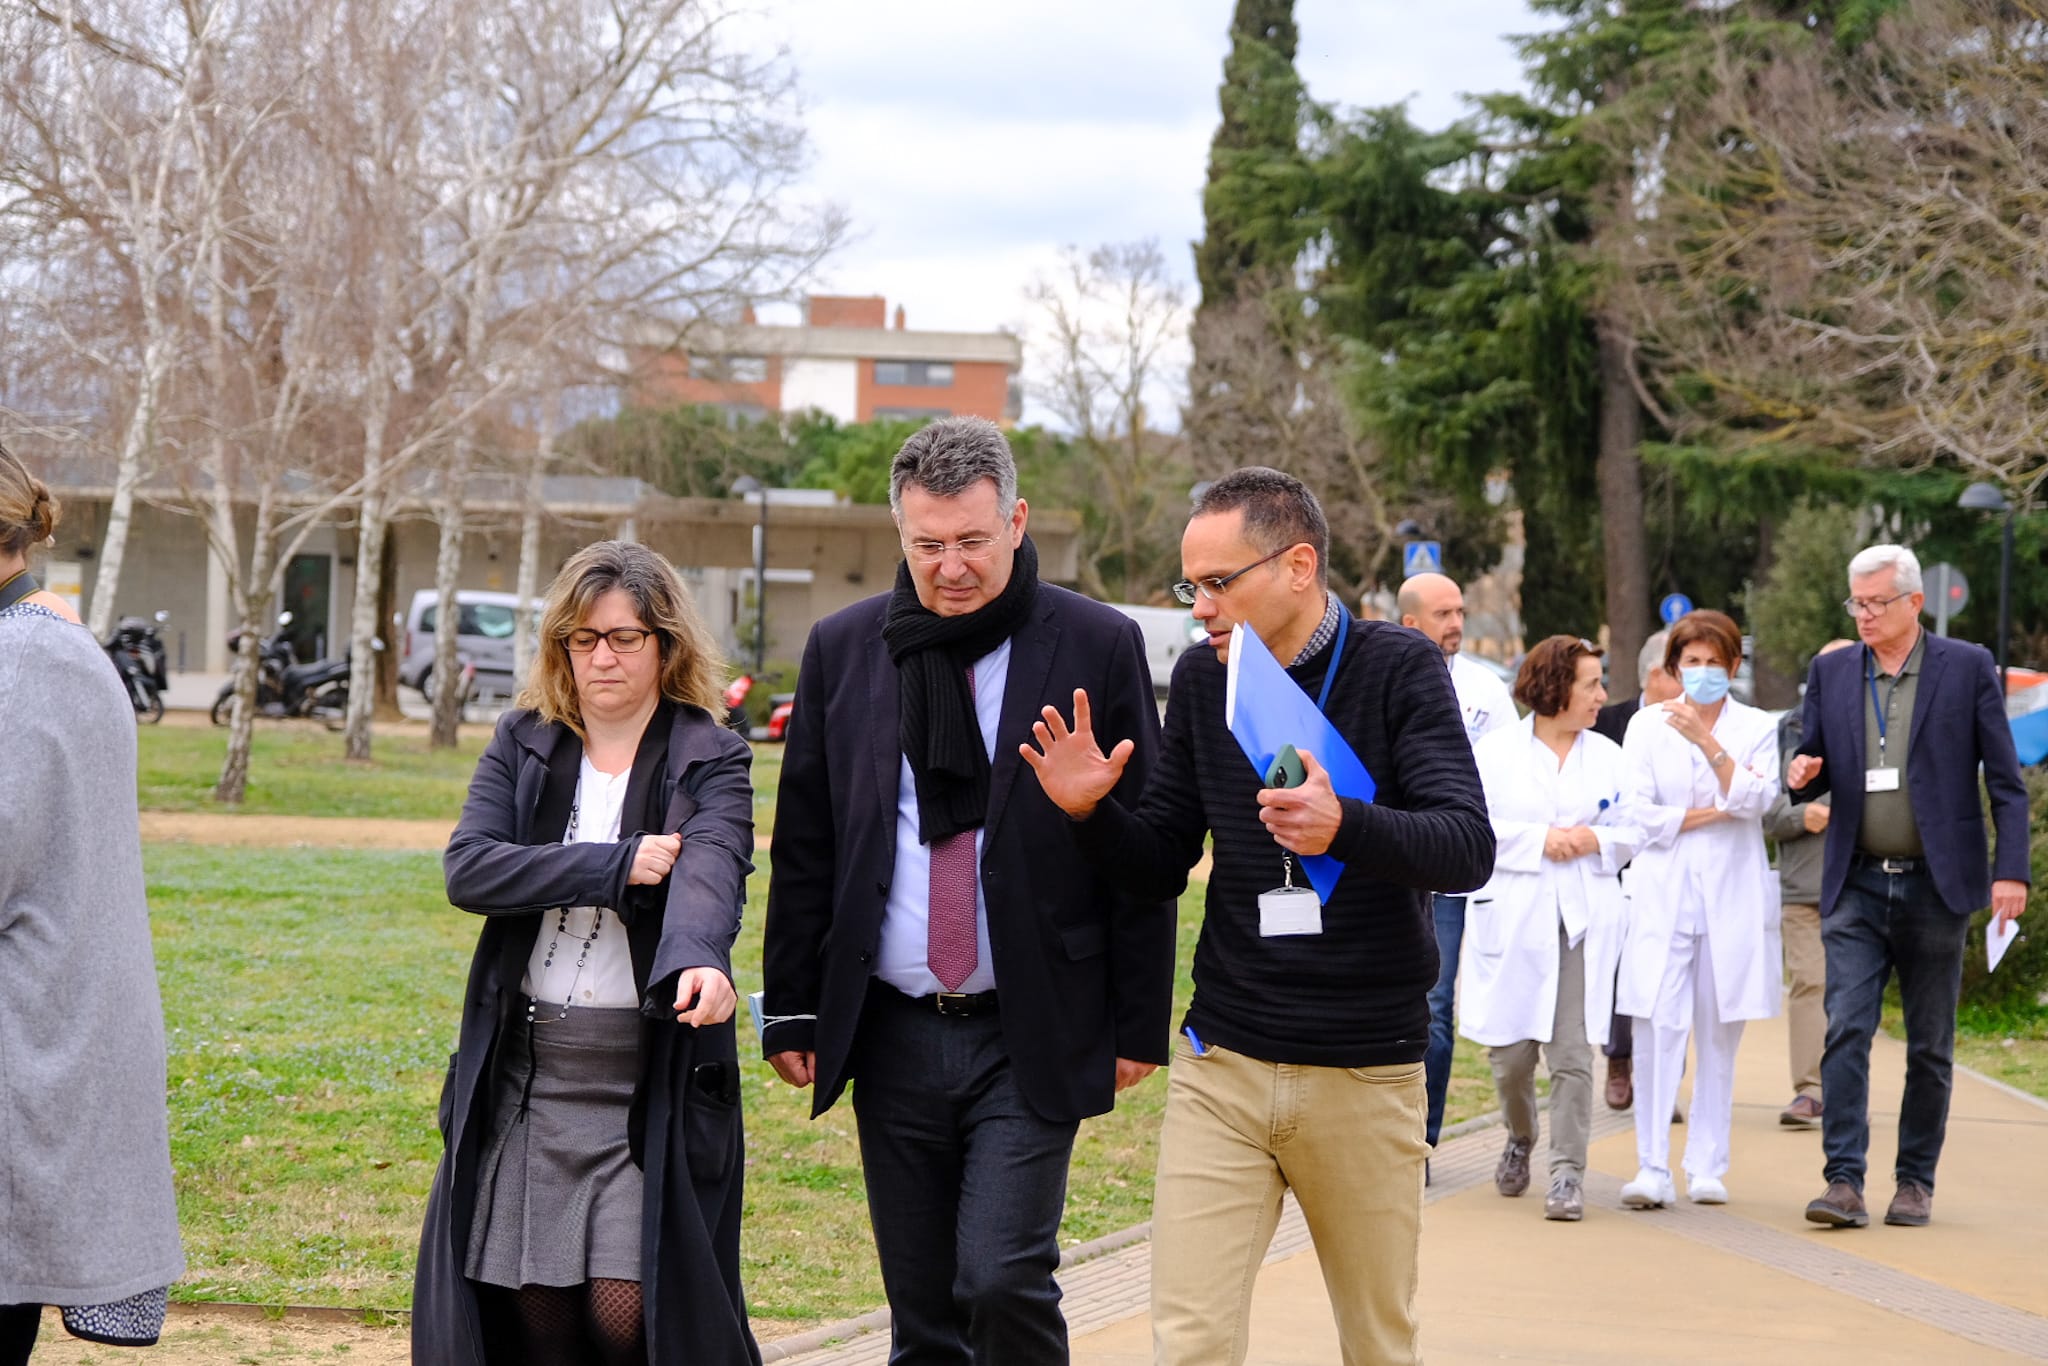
(1434, 605)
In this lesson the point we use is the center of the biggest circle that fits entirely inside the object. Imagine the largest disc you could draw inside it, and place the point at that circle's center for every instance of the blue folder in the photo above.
(1266, 710)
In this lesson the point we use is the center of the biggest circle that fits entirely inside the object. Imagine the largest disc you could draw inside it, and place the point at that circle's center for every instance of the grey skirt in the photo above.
(558, 1196)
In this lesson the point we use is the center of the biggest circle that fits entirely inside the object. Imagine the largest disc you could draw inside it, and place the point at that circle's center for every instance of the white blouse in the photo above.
(606, 976)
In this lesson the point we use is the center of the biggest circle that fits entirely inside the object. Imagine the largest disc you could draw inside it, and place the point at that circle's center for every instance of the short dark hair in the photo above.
(1549, 672)
(950, 456)
(1716, 630)
(1279, 511)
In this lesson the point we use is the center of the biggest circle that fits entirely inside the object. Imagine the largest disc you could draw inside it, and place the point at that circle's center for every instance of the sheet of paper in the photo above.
(1995, 943)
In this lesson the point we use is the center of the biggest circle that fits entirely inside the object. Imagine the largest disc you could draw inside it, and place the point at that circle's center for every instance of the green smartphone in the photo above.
(1286, 770)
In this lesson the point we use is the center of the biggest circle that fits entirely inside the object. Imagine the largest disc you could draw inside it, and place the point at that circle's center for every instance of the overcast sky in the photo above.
(969, 142)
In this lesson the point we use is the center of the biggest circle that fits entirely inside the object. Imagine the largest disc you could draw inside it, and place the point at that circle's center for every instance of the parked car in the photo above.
(485, 624)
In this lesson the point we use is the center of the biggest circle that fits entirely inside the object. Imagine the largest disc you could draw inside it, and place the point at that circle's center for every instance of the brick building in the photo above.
(845, 360)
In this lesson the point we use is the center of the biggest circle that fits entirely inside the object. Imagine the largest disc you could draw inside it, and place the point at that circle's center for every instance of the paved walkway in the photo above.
(1749, 1282)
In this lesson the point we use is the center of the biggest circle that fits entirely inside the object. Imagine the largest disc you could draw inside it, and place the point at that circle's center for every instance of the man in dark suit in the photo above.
(932, 935)
(1895, 734)
(1657, 685)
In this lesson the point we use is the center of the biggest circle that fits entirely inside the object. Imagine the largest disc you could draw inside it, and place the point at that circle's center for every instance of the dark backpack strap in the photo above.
(17, 588)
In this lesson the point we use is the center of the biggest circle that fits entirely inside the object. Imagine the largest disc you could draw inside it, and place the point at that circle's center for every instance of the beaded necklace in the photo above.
(561, 929)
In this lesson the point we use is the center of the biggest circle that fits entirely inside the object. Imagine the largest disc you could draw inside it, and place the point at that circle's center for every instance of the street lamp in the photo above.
(746, 486)
(1987, 498)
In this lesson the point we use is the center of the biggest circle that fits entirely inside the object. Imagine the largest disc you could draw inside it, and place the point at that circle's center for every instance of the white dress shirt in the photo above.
(906, 917)
(606, 977)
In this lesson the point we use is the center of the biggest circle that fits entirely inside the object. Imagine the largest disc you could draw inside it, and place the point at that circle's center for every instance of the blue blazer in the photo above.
(1958, 725)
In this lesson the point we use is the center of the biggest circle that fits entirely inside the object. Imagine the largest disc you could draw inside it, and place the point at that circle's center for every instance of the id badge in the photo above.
(1880, 780)
(1290, 910)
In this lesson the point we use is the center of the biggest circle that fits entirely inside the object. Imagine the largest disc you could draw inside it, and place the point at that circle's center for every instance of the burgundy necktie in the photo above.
(949, 932)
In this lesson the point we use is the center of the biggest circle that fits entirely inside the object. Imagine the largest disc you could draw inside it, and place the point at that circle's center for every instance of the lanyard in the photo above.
(1336, 658)
(18, 586)
(1883, 712)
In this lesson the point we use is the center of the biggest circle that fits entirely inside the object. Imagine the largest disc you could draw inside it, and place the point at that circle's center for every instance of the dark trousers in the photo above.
(1881, 923)
(966, 1185)
(1621, 1034)
(18, 1325)
(1436, 1060)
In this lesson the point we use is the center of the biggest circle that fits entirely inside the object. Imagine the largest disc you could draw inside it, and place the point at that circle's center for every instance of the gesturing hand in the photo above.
(1073, 770)
(1304, 819)
(652, 860)
(1685, 718)
(1803, 769)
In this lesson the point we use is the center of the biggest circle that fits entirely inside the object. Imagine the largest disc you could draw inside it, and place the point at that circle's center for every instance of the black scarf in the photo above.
(936, 723)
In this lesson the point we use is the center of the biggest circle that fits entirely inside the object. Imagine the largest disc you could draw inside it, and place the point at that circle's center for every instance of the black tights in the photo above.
(18, 1325)
(568, 1325)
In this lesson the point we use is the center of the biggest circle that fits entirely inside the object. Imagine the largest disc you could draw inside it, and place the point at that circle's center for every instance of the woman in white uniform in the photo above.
(1543, 936)
(1702, 949)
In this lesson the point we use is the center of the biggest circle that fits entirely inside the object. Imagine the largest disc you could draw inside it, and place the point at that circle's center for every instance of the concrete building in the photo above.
(843, 360)
(822, 555)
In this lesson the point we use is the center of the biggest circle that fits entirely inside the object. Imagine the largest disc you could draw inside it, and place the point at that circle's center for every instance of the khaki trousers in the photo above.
(1239, 1133)
(1806, 1016)
(1571, 1070)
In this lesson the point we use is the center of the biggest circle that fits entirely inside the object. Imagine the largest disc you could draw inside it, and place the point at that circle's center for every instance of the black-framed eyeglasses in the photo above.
(624, 640)
(1870, 607)
(1213, 587)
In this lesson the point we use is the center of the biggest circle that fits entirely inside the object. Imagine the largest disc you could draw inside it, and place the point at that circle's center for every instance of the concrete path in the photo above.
(1749, 1282)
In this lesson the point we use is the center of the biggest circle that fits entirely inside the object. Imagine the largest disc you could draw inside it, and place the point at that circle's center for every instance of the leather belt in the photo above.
(1894, 866)
(959, 1005)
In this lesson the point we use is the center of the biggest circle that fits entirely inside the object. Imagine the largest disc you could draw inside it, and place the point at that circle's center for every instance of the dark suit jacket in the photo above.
(1615, 716)
(1084, 975)
(1958, 724)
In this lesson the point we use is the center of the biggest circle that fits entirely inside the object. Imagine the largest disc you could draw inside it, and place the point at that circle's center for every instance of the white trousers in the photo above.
(1686, 1009)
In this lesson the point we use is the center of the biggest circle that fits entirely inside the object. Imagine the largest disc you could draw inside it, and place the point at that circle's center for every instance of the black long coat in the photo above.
(506, 862)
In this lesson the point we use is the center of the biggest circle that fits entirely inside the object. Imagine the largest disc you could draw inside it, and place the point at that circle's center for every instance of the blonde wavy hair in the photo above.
(691, 663)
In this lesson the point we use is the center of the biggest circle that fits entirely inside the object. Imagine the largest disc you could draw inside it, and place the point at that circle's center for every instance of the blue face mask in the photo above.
(1705, 684)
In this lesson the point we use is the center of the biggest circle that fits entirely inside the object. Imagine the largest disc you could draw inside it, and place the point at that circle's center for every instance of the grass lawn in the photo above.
(2013, 1050)
(298, 770)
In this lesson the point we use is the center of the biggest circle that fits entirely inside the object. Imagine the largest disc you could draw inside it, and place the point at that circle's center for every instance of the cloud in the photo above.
(970, 142)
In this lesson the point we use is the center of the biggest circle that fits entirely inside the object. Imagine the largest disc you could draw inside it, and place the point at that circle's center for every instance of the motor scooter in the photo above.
(137, 649)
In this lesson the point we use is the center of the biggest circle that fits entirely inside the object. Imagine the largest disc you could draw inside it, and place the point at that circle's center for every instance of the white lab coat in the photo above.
(1510, 952)
(1720, 870)
(1483, 700)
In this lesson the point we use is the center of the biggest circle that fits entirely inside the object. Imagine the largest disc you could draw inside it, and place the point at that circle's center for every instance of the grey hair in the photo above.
(952, 455)
(1650, 658)
(1903, 563)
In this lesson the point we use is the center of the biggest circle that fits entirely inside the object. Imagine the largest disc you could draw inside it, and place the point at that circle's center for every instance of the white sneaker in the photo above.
(1705, 1190)
(1650, 1190)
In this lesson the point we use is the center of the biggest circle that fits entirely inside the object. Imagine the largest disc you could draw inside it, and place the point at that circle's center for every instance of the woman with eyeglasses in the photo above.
(1543, 935)
(1702, 952)
(589, 1200)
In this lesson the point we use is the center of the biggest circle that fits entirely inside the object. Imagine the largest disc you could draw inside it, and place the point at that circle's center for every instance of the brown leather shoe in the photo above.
(1621, 1091)
(1802, 1113)
(1913, 1206)
(1841, 1207)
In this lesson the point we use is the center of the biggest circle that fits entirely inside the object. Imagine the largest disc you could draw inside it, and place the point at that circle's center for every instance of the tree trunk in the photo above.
(1625, 546)
(257, 598)
(1774, 689)
(392, 630)
(449, 692)
(528, 584)
(127, 476)
(373, 525)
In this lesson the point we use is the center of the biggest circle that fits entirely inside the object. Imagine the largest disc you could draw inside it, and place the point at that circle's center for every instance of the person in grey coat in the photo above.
(88, 1221)
(587, 1209)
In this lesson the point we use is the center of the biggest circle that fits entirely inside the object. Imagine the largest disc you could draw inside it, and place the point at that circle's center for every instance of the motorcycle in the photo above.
(138, 654)
(285, 688)
(736, 703)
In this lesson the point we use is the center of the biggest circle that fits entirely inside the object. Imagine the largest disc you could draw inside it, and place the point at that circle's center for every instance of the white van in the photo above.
(485, 623)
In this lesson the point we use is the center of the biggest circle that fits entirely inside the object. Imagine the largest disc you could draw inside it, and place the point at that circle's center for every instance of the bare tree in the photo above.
(1846, 252)
(1108, 325)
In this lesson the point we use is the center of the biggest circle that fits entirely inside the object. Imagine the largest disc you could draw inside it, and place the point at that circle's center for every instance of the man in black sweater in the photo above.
(1300, 1061)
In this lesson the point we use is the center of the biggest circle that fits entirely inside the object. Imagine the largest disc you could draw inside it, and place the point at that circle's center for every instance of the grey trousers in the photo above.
(1570, 1060)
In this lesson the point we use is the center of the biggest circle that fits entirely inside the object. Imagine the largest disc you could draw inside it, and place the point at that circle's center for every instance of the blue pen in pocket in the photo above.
(1195, 1041)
